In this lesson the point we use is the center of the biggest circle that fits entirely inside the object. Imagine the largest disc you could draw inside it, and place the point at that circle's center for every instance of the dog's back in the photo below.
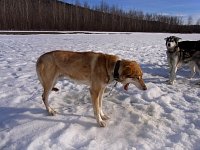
(189, 45)
(189, 48)
(67, 63)
(75, 65)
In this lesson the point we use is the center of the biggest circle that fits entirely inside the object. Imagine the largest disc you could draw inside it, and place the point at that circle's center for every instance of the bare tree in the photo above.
(86, 5)
(77, 3)
(190, 20)
(198, 22)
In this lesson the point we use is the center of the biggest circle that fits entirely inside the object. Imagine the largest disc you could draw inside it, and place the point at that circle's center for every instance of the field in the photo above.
(163, 117)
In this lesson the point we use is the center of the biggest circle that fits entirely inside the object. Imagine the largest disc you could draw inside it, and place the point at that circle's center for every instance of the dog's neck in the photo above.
(116, 70)
(174, 49)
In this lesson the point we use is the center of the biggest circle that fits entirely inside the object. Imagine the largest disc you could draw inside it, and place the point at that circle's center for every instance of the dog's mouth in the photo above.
(141, 87)
(126, 86)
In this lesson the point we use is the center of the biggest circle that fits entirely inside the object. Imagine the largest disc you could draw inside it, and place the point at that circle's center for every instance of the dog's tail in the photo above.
(39, 69)
(43, 65)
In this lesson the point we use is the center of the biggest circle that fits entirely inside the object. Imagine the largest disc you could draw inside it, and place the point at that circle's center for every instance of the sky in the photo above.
(184, 8)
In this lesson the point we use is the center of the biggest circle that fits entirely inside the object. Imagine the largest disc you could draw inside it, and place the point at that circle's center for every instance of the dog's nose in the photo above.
(144, 88)
(168, 44)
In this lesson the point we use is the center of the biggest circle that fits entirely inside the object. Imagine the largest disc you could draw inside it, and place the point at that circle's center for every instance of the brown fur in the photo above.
(94, 69)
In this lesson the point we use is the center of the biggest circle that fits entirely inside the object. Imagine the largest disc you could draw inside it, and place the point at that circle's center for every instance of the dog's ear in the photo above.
(125, 72)
(166, 38)
(177, 38)
(131, 70)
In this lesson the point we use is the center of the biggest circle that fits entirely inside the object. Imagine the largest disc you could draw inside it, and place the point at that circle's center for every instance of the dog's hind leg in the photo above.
(48, 86)
(95, 95)
(45, 96)
(198, 70)
(47, 80)
(193, 69)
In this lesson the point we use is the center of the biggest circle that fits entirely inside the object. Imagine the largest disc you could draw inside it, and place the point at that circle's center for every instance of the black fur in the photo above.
(189, 48)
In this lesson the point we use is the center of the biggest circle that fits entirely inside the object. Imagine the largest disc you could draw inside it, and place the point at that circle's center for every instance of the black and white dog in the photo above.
(179, 53)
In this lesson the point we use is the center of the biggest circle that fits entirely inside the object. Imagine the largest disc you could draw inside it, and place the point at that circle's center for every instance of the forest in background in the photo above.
(49, 15)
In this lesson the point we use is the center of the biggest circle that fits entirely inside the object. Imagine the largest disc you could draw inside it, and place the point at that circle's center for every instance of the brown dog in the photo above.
(94, 69)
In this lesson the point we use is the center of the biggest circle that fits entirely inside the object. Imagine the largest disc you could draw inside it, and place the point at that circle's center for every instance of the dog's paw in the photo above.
(197, 83)
(170, 82)
(51, 111)
(190, 77)
(105, 117)
(102, 123)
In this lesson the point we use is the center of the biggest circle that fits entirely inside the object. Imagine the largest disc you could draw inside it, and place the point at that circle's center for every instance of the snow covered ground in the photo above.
(163, 117)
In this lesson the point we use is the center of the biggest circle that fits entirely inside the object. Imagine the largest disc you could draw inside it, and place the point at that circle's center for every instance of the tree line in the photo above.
(57, 15)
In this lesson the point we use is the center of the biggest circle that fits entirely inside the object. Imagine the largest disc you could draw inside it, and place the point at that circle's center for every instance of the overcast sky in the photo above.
(182, 8)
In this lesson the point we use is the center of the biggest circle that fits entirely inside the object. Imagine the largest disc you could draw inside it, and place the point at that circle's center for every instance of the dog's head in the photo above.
(130, 72)
(172, 42)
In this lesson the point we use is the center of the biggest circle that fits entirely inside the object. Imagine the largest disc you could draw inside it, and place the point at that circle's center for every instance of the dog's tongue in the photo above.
(126, 86)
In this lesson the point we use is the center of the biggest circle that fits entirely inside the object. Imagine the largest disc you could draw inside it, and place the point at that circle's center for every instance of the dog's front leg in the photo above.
(172, 75)
(173, 63)
(169, 60)
(95, 95)
(103, 116)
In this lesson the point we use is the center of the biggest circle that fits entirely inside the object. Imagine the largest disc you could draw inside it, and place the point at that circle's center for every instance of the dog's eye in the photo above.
(138, 78)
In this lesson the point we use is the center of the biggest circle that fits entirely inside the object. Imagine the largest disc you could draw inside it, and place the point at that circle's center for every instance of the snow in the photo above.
(163, 117)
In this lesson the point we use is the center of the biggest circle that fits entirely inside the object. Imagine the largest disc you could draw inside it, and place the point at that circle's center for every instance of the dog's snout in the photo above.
(142, 85)
(144, 88)
(168, 44)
